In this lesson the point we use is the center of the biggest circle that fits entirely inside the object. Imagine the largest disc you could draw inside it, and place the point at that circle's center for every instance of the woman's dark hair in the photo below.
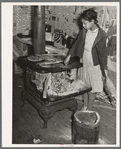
(79, 23)
(89, 15)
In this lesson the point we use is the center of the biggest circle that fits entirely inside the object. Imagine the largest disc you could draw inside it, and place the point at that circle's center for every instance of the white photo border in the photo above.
(7, 70)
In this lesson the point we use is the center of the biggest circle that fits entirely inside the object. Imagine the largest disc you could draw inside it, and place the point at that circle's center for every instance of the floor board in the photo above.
(27, 125)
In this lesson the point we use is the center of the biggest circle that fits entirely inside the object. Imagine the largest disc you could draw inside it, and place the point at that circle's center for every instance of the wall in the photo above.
(21, 19)
(65, 14)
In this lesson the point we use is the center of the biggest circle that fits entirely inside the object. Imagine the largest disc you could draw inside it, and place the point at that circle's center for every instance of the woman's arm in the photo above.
(77, 48)
(71, 51)
(102, 50)
(102, 56)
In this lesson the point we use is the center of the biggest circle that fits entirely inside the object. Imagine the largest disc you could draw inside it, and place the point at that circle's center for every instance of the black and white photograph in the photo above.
(60, 74)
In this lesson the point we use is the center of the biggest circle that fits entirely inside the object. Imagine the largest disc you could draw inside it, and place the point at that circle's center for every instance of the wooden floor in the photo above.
(27, 125)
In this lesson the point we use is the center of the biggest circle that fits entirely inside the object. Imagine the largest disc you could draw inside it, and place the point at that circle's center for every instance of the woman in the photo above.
(91, 47)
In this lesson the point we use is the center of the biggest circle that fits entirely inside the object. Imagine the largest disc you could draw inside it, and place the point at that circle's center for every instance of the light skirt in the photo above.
(91, 74)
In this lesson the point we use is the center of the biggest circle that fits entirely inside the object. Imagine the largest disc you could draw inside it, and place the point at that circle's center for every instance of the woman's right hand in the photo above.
(67, 59)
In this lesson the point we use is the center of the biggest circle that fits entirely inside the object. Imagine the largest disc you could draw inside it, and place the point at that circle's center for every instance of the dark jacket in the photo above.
(99, 52)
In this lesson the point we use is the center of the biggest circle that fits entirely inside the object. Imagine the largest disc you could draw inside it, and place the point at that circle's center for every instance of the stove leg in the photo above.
(73, 112)
(45, 124)
(73, 109)
(45, 114)
(45, 119)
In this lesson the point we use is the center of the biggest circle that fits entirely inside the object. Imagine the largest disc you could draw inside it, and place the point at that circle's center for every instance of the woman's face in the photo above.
(87, 24)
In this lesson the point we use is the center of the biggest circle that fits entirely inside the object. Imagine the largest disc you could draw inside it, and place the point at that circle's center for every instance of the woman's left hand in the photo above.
(67, 59)
(106, 72)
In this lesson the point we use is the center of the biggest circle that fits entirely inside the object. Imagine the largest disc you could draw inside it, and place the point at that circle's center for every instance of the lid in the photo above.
(87, 118)
(34, 58)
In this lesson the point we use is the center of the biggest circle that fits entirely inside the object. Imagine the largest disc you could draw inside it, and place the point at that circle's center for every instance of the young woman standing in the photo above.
(90, 46)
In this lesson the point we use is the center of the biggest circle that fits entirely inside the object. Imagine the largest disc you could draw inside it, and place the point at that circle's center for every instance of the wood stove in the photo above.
(38, 90)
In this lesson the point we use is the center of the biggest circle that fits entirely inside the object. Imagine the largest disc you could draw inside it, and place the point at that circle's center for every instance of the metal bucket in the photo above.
(85, 127)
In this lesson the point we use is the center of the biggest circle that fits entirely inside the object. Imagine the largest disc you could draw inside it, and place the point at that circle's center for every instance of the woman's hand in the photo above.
(106, 73)
(67, 59)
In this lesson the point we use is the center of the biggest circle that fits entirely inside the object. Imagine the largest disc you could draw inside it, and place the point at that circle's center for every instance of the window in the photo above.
(53, 18)
(48, 28)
